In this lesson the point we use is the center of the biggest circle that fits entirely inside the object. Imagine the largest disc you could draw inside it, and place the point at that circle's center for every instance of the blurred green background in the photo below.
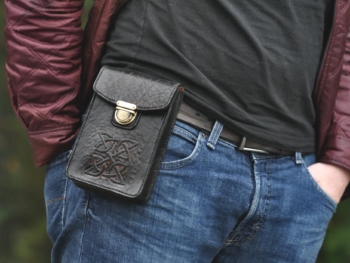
(22, 210)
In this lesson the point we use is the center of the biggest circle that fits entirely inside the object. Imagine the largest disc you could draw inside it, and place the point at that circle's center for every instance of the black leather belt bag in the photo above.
(124, 136)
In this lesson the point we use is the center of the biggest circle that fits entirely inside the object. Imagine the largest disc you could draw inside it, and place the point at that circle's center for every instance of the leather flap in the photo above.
(145, 91)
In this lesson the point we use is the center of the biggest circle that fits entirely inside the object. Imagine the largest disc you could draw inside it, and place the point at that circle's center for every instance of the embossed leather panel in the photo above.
(118, 161)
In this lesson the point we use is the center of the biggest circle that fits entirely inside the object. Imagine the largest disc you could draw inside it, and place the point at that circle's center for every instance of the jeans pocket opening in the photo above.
(195, 144)
(317, 187)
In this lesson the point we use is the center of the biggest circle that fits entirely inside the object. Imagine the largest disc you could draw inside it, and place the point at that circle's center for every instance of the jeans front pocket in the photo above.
(307, 161)
(183, 147)
(55, 193)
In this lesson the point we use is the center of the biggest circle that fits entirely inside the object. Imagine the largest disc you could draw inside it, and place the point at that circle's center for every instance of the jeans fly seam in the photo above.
(237, 232)
(262, 218)
(232, 239)
(254, 232)
(267, 197)
(252, 179)
(235, 236)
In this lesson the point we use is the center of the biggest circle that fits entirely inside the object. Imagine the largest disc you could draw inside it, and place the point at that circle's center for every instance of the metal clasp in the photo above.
(125, 112)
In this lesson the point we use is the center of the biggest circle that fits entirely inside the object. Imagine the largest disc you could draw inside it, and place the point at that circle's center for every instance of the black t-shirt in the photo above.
(252, 64)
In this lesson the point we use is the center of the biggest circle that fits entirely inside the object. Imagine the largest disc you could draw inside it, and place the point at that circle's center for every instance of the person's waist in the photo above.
(202, 121)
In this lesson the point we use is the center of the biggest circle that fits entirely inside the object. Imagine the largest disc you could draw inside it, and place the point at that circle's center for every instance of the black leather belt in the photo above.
(202, 121)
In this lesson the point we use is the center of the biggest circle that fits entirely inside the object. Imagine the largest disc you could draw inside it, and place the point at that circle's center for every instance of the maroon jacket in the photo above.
(51, 68)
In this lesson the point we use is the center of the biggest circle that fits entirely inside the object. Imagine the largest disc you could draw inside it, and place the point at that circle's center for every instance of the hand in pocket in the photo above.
(331, 179)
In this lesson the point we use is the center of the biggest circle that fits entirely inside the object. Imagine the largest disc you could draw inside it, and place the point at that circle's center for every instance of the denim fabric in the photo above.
(211, 203)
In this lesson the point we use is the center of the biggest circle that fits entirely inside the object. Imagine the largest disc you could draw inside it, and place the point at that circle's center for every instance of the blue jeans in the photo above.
(211, 203)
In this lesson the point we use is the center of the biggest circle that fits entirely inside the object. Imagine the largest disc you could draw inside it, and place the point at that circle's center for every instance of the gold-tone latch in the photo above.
(125, 112)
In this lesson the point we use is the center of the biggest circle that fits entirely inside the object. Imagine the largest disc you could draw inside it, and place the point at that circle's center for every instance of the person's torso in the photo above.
(251, 65)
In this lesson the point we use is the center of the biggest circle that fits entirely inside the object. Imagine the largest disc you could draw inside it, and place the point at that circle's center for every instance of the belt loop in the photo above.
(214, 135)
(298, 158)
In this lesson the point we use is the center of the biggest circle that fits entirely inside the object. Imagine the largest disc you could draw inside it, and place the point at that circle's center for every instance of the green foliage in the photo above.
(23, 236)
(336, 247)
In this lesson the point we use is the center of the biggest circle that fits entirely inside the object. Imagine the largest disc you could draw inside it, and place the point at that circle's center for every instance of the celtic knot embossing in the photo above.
(112, 158)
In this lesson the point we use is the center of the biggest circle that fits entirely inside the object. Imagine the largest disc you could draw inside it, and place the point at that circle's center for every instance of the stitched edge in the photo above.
(54, 200)
(84, 227)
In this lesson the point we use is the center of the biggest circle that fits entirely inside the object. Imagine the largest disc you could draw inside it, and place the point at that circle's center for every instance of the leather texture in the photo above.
(121, 161)
(145, 91)
(45, 42)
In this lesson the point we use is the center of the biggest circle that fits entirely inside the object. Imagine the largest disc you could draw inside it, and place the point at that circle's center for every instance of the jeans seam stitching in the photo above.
(182, 132)
(263, 216)
(261, 220)
(64, 202)
(215, 134)
(188, 128)
(186, 161)
(231, 239)
(83, 234)
(54, 200)
(227, 143)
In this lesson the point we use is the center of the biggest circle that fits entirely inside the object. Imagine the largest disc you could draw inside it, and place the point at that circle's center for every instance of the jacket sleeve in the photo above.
(43, 40)
(336, 149)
